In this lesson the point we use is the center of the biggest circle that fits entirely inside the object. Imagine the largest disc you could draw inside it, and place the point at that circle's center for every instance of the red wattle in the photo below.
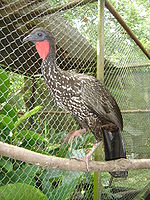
(43, 48)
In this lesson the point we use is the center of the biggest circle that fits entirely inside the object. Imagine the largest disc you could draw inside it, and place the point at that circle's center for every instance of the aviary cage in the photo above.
(30, 119)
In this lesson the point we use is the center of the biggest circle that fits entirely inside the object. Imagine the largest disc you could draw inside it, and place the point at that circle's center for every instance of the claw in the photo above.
(86, 160)
(87, 157)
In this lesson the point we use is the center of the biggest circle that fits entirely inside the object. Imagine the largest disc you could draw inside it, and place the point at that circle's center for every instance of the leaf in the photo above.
(6, 121)
(52, 147)
(4, 86)
(10, 111)
(51, 173)
(27, 115)
(6, 134)
(25, 174)
(62, 186)
(6, 164)
(143, 193)
(30, 138)
(21, 191)
(68, 185)
(31, 135)
(79, 153)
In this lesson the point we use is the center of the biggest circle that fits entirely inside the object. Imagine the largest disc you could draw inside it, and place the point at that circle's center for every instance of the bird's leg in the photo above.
(74, 134)
(87, 157)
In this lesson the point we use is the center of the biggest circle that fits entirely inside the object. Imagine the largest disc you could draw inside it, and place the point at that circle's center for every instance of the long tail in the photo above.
(114, 149)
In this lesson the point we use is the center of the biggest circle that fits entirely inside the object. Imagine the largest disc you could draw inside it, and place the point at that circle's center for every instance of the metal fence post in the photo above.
(100, 76)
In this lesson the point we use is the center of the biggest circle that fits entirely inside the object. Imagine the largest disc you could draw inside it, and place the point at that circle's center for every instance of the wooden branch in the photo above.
(19, 153)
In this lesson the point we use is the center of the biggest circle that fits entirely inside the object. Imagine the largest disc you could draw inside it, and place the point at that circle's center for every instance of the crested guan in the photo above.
(85, 97)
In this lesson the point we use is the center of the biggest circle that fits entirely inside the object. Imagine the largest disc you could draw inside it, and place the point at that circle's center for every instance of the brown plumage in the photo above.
(85, 97)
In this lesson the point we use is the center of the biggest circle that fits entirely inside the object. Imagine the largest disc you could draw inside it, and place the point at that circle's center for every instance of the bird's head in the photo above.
(44, 42)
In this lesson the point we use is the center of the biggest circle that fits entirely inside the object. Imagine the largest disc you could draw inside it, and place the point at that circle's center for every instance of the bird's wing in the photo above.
(97, 97)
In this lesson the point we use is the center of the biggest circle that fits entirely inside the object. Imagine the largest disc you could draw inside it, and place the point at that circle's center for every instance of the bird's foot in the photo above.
(87, 157)
(86, 160)
(74, 134)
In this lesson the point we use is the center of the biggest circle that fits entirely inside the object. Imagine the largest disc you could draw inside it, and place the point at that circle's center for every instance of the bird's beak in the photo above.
(28, 38)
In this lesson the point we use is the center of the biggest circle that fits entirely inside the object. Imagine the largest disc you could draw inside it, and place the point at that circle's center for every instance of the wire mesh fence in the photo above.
(29, 118)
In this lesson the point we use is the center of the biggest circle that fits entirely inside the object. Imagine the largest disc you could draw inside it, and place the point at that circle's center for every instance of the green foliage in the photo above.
(9, 123)
(108, 195)
(12, 130)
(136, 15)
(17, 172)
(21, 191)
(24, 173)
(8, 114)
(27, 115)
(76, 18)
(6, 121)
(10, 111)
(16, 91)
(143, 193)
(29, 139)
(137, 179)
(4, 86)
(60, 184)
(6, 164)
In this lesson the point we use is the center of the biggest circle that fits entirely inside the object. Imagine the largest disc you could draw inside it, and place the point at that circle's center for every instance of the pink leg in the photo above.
(87, 157)
(74, 134)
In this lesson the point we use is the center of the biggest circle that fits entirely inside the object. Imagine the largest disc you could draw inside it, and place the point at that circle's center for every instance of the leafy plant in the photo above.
(10, 111)
(12, 132)
(7, 113)
(26, 116)
(6, 164)
(58, 183)
(4, 86)
(21, 191)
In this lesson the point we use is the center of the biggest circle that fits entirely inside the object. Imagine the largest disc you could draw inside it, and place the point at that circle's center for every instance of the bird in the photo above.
(86, 98)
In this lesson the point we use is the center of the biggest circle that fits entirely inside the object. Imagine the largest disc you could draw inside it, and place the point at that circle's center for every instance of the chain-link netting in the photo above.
(30, 119)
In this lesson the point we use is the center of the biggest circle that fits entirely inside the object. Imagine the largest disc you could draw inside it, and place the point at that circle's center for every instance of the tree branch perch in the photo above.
(44, 161)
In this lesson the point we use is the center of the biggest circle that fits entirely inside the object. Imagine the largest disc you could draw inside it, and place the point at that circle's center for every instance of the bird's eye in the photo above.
(39, 34)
